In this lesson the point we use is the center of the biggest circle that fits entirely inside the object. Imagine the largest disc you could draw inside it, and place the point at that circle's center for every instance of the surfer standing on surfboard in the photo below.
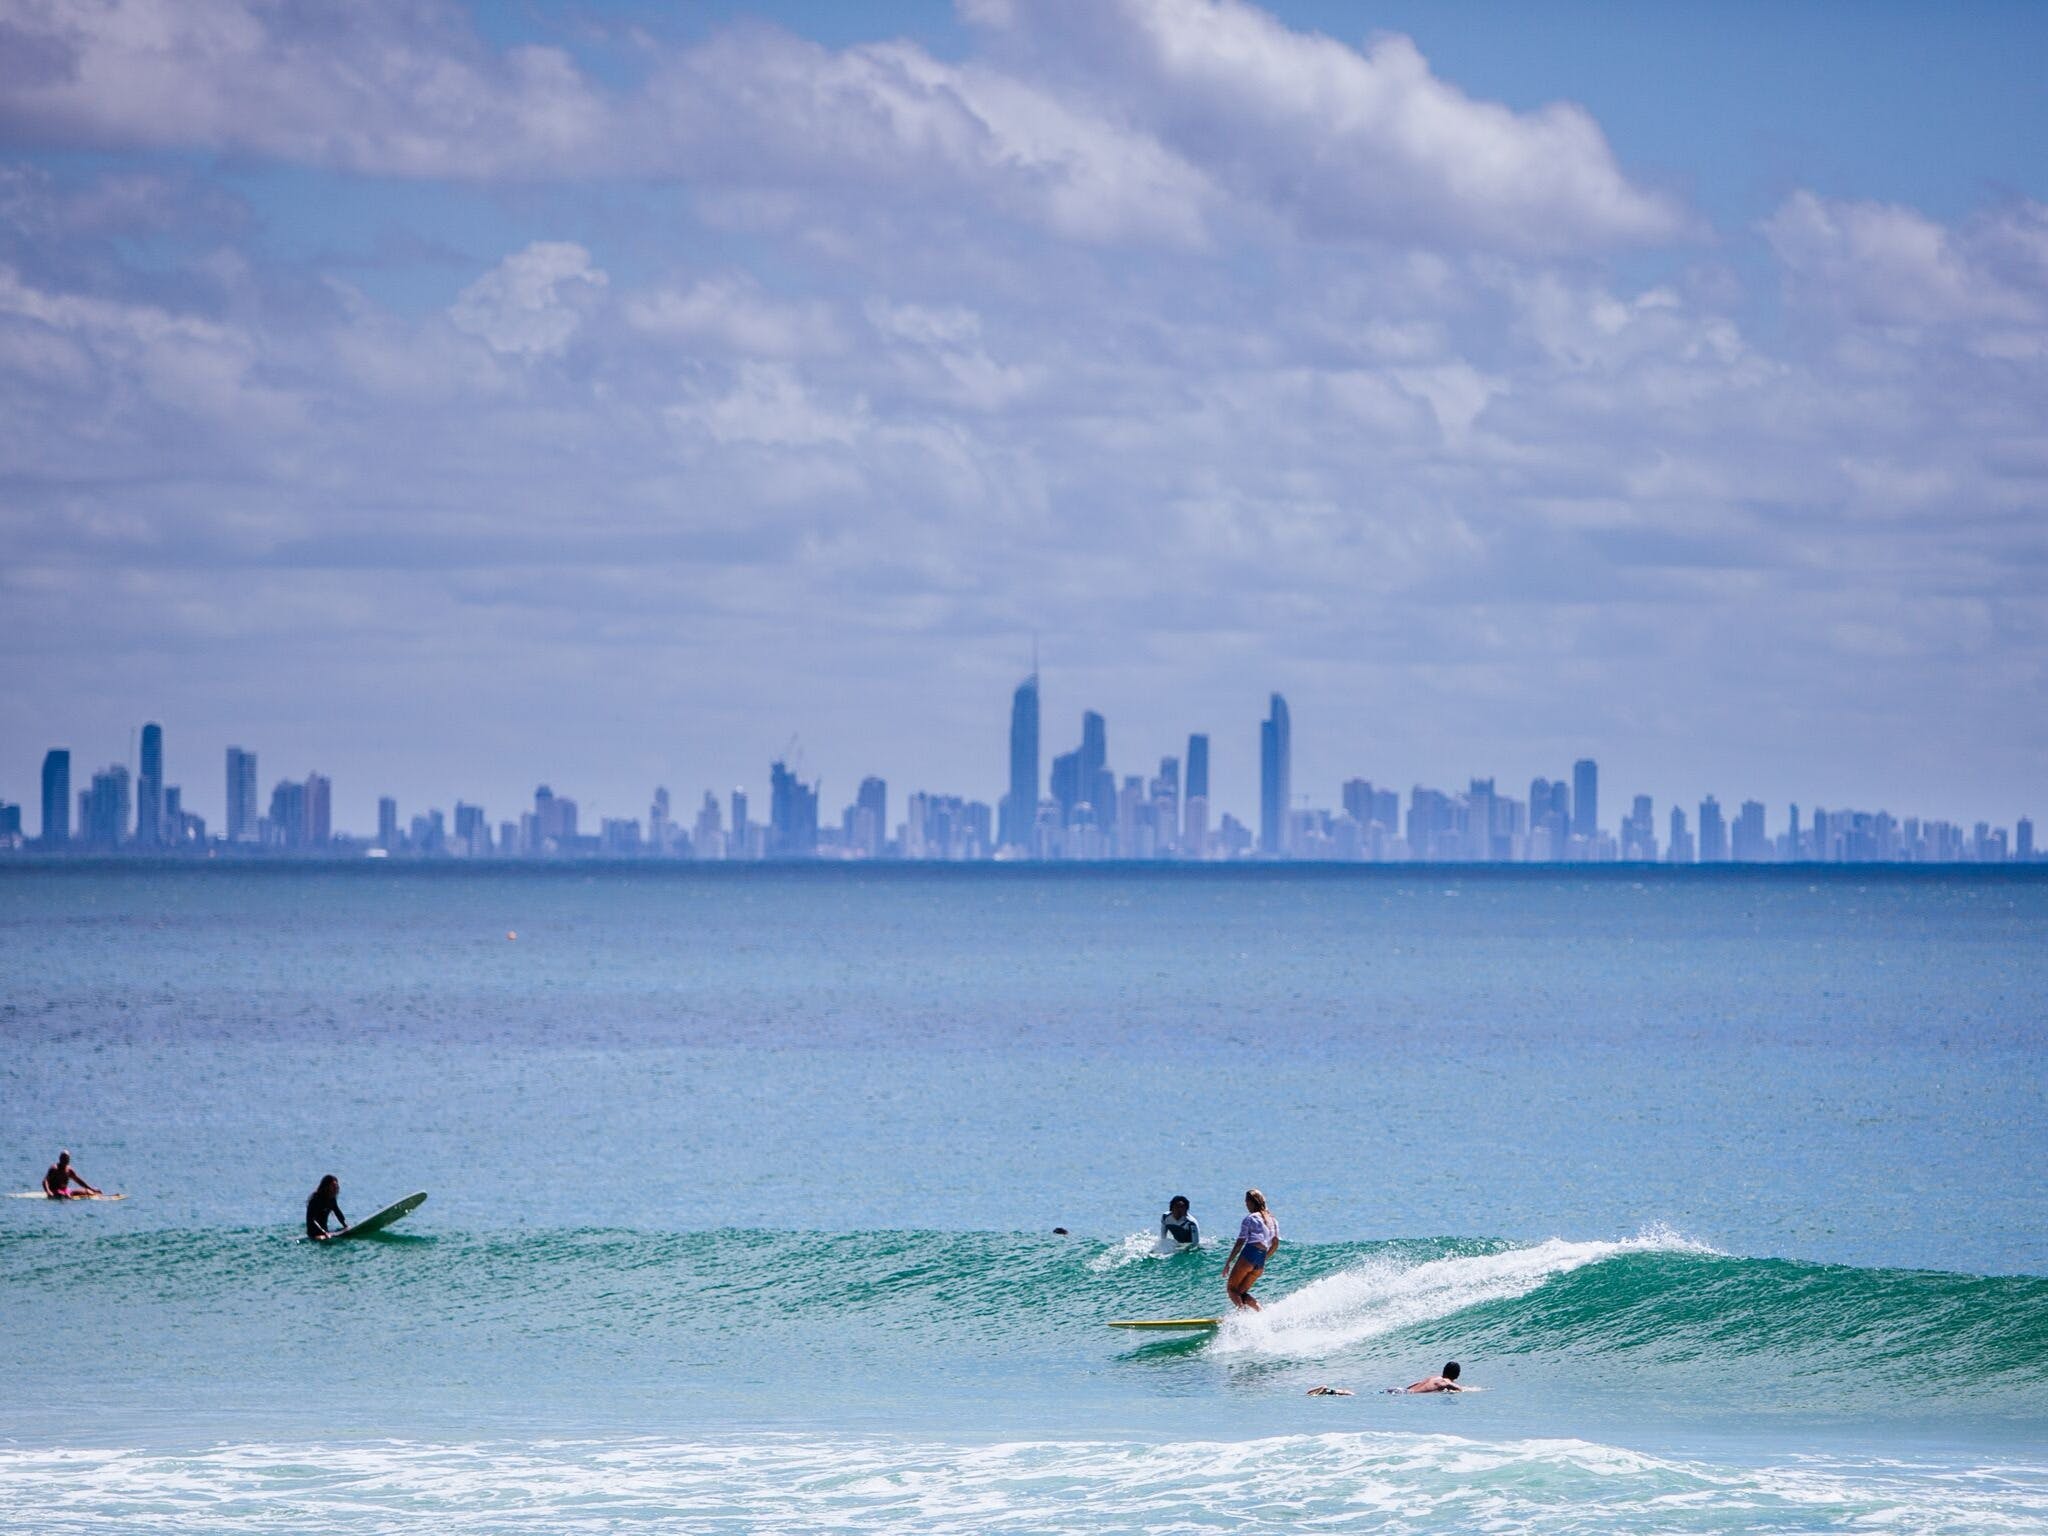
(321, 1204)
(1258, 1236)
(64, 1182)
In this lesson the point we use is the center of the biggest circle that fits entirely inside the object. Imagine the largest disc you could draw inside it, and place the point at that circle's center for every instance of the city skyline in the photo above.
(1090, 812)
(1578, 396)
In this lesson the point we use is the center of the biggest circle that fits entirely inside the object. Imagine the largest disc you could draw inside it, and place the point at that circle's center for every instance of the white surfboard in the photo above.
(377, 1223)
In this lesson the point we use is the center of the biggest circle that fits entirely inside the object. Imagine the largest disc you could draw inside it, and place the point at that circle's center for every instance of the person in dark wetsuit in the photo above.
(321, 1204)
(61, 1177)
(1178, 1226)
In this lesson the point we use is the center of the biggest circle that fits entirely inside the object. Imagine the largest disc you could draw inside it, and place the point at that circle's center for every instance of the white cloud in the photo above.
(532, 302)
(1887, 265)
(1140, 120)
(1343, 142)
(731, 312)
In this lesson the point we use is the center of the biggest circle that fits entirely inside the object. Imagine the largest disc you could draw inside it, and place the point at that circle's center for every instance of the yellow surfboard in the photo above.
(1172, 1322)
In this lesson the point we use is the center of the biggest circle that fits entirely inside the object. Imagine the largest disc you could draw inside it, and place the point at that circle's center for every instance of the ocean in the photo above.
(1726, 1186)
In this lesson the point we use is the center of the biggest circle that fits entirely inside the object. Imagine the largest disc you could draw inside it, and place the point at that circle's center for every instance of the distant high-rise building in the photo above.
(472, 830)
(707, 837)
(873, 800)
(241, 824)
(10, 824)
(387, 823)
(1639, 832)
(1357, 799)
(1680, 851)
(660, 830)
(2023, 839)
(1194, 840)
(736, 843)
(1479, 801)
(1194, 834)
(1752, 844)
(1276, 778)
(1713, 833)
(1198, 766)
(56, 798)
(1083, 778)
(792, 814)
(149, 789)
(1586, 799)
(105, 822)
(319, 810)
(285, 827)
(1020, 805)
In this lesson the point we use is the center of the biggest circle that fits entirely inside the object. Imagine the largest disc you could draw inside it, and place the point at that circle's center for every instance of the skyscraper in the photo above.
(387, 823)
(1680, 851)
(1198, 766)
(149, 789)
(1586, 799)
(1751, 845)
(106, 808)
(1082, 777)
(792, 814)
(1020, 805)
(56, 798)
(319, 810)
(873, 800)
(241, 796)
(1713, 833)
(1276, 774)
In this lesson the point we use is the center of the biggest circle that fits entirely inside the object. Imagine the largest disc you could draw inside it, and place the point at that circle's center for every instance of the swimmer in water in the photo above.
(321, 1204)
(1258, 1237)
(61, 1181)
(1178, 1225)
(1447, 1382)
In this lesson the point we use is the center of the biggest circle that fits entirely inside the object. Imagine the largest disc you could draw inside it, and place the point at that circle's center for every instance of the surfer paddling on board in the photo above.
(1258, 1236)
(321, 1204)
(1177, 1226)
(64, 1182)
(1447, 1382)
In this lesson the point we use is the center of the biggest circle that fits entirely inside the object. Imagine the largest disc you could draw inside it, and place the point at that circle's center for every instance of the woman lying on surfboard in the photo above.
(1258, 1236)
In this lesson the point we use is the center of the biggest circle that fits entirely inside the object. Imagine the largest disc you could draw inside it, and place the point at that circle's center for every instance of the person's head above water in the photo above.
(329, 1185)
(1451, 1371)
(63, 1159)
(1254, 1201)
(1177, 1206)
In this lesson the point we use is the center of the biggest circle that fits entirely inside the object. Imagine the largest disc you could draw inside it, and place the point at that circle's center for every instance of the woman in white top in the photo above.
(1257, 1238)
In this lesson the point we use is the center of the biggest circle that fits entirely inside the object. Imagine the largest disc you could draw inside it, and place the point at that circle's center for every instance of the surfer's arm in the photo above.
(1235, 1249)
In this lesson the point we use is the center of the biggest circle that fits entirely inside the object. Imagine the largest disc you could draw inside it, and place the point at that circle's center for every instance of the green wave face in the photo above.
(1653, 1314)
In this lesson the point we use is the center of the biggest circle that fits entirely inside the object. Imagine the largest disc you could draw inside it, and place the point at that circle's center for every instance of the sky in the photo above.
(451, 399)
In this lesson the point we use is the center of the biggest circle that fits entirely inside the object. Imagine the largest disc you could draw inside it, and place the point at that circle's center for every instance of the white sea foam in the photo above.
(1365, 1482)
(1383, 1293)
(1133, 1249)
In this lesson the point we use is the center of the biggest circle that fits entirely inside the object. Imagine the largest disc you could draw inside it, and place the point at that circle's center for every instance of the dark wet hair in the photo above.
(1451, 1371)
(1176, 1200)
(329, 1184)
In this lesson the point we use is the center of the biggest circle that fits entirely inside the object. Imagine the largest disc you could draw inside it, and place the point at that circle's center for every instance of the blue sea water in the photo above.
(1726, 1186)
